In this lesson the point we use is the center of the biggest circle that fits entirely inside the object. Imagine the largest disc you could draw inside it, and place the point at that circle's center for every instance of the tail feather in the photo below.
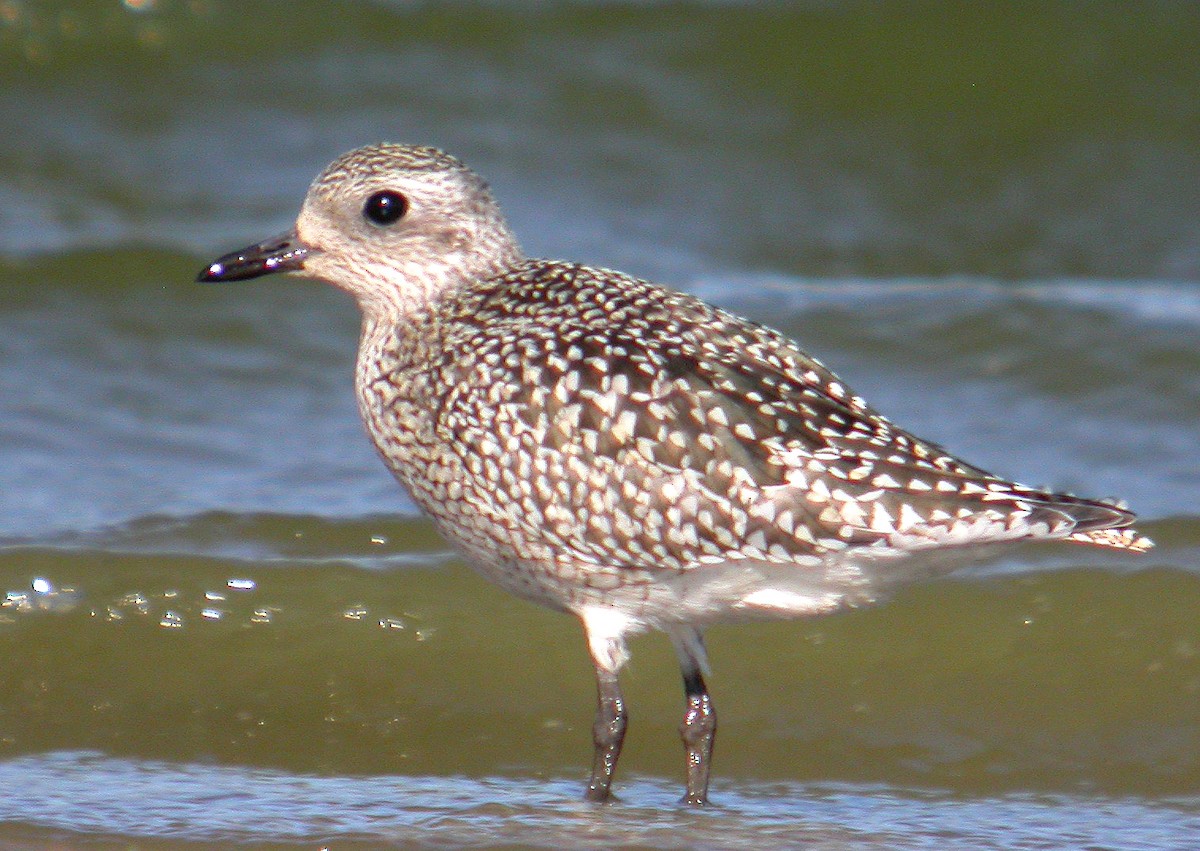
(1099, 522)
(1117, 539)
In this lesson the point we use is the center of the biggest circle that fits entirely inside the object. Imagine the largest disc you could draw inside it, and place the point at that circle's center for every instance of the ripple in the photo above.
(89, 793)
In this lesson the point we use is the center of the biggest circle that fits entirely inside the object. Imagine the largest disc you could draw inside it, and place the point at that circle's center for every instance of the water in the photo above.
(238, 805)
(222, 623)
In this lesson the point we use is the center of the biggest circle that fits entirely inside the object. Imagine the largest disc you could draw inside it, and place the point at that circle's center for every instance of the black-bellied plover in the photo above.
(615, 449)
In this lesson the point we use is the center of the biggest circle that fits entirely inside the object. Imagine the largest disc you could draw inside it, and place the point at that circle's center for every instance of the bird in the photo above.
(622, 451)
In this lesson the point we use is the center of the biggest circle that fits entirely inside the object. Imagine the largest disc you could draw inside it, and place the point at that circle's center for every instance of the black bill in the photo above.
(284, 253)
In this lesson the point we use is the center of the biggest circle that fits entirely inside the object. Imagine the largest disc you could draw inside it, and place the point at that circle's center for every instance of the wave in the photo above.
(1141, 301)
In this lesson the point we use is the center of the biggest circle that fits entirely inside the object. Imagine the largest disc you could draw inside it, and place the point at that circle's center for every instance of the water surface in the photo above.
(222, 623)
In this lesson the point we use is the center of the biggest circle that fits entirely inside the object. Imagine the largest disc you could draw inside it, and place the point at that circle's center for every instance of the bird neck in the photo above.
(407, 287)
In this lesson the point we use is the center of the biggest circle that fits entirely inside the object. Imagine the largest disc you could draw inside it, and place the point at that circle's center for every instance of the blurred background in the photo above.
(222, 622)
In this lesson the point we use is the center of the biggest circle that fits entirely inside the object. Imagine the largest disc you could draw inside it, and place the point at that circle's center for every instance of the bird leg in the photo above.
(699, 730)
(608, 733)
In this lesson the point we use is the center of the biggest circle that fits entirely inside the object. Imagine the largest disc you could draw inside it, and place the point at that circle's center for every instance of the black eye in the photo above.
(385, 208)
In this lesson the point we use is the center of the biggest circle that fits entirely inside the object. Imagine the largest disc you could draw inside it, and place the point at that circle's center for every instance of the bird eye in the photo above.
(385, 208)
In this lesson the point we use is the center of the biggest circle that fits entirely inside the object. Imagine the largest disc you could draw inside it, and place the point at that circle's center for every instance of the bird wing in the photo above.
(867, 480)
(668, 433)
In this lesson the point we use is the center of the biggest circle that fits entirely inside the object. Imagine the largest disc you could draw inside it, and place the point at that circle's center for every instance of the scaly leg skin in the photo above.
(699, 730)
(608, 733)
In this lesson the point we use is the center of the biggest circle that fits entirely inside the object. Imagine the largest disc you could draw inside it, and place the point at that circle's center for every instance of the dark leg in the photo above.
(606, 628)
(699, 729)
(608, 732)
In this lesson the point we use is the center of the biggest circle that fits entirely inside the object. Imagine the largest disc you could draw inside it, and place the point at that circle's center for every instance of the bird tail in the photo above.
(1101, 523)
(1116, 539)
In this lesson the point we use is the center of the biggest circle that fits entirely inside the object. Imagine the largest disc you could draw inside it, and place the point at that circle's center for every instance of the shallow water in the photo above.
(147, 799)
(222, 623)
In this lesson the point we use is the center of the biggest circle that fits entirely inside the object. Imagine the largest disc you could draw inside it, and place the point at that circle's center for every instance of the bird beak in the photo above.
(284, 253)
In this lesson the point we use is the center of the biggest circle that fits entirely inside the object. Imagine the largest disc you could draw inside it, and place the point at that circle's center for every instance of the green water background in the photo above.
(984, 216)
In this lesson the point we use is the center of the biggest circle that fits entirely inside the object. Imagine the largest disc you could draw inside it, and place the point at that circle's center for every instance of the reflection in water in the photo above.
(42, 596)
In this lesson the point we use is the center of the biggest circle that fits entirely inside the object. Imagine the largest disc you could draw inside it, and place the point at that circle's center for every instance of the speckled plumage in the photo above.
(622, 451)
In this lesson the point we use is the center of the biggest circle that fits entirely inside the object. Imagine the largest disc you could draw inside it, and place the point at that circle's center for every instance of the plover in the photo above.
(621, 451)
